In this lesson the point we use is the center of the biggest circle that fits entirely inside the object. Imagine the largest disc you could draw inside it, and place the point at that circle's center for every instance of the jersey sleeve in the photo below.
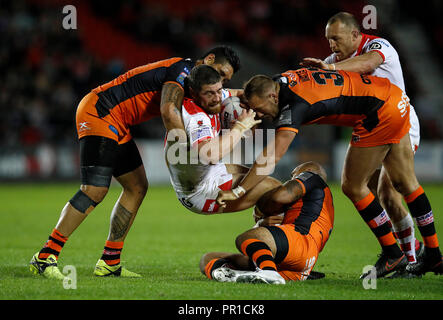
(382, 47)
(330, 59)
(178, 72)
(309, 181)
(198, 127)
(292, 113)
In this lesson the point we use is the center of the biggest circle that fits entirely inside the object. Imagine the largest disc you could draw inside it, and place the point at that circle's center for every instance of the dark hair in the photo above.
(346, 18)
(225, 54)
(201, 75)
(257, 86)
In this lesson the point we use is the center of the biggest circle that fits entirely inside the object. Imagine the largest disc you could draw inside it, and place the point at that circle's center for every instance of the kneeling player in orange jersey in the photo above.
(274, 253)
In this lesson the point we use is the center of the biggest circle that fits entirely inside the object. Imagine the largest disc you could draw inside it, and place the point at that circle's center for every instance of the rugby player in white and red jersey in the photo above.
(199, 175)
(355, 51)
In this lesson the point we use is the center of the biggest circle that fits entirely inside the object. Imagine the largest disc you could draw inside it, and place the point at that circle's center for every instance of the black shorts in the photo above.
(105, 152)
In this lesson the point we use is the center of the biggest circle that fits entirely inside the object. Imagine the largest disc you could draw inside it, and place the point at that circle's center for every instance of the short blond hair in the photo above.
(257, 86)
(346, 18)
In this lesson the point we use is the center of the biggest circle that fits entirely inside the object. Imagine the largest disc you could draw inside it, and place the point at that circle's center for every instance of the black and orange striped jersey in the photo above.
(134, 96)
(317, 96)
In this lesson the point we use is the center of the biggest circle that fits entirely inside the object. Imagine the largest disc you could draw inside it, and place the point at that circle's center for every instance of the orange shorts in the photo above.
(393, 123)
(90, 124)
(302, 254)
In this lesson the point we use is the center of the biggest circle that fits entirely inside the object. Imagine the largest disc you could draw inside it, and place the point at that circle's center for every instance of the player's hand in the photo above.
(224, 196)
(318, 63)
(271, 221)
(246, 120)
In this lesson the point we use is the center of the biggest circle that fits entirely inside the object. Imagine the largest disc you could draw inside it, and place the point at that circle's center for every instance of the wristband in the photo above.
(239, 191)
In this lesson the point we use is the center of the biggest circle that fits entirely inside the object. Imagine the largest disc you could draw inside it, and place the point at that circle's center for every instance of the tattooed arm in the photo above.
(170, 106)
(277, 200)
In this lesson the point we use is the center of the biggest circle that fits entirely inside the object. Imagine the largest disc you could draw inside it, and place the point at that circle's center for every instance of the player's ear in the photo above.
(274, 97)
(209, 59)
(192, 92)
(355, 33)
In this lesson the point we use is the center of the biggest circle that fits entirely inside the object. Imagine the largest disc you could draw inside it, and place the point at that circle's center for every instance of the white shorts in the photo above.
(414, 132)
(203, 199)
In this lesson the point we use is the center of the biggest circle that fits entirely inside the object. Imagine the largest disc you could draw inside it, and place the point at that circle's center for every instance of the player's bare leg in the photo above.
(135, 186)
(71, 218)
(259, 245)
(260, 233)
(360, 164)
(75, 211)
(228, 267)
(390, 199)
(399, 164)
(401, 220)
(373, 182)
(233, 260)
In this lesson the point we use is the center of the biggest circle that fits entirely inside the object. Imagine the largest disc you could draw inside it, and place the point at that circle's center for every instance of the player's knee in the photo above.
(239, 240)
(204, 261)
(96, 194)
(388, 202)
(250, 234)
(83, 200)
(351, 190)
(405, 188)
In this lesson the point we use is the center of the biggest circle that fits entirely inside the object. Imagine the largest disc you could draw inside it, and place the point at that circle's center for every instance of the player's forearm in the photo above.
(365, 63)
(263, 166)
(265, 163)
(216, 149)
(170, 106)
(273, 201)
(268, 205)
(171, 116)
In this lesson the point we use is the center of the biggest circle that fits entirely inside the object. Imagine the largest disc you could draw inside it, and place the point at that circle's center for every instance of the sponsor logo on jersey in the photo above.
(181, 78)
(83, 126)
(113, 129)
(375, 46)
(200, 132)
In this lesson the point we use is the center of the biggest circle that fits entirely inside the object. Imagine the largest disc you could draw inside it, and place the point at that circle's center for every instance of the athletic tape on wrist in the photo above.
(239, 190)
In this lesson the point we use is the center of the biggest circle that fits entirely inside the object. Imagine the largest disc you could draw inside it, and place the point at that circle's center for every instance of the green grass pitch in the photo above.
(165, 246)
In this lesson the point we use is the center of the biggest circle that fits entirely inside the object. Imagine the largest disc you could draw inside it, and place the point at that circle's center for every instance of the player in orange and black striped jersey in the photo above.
(104, 117)
(378, 112)
(287, 250)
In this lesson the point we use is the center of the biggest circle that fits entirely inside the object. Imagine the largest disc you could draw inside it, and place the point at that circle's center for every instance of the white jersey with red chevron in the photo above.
(187, 173)
(390, 68)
